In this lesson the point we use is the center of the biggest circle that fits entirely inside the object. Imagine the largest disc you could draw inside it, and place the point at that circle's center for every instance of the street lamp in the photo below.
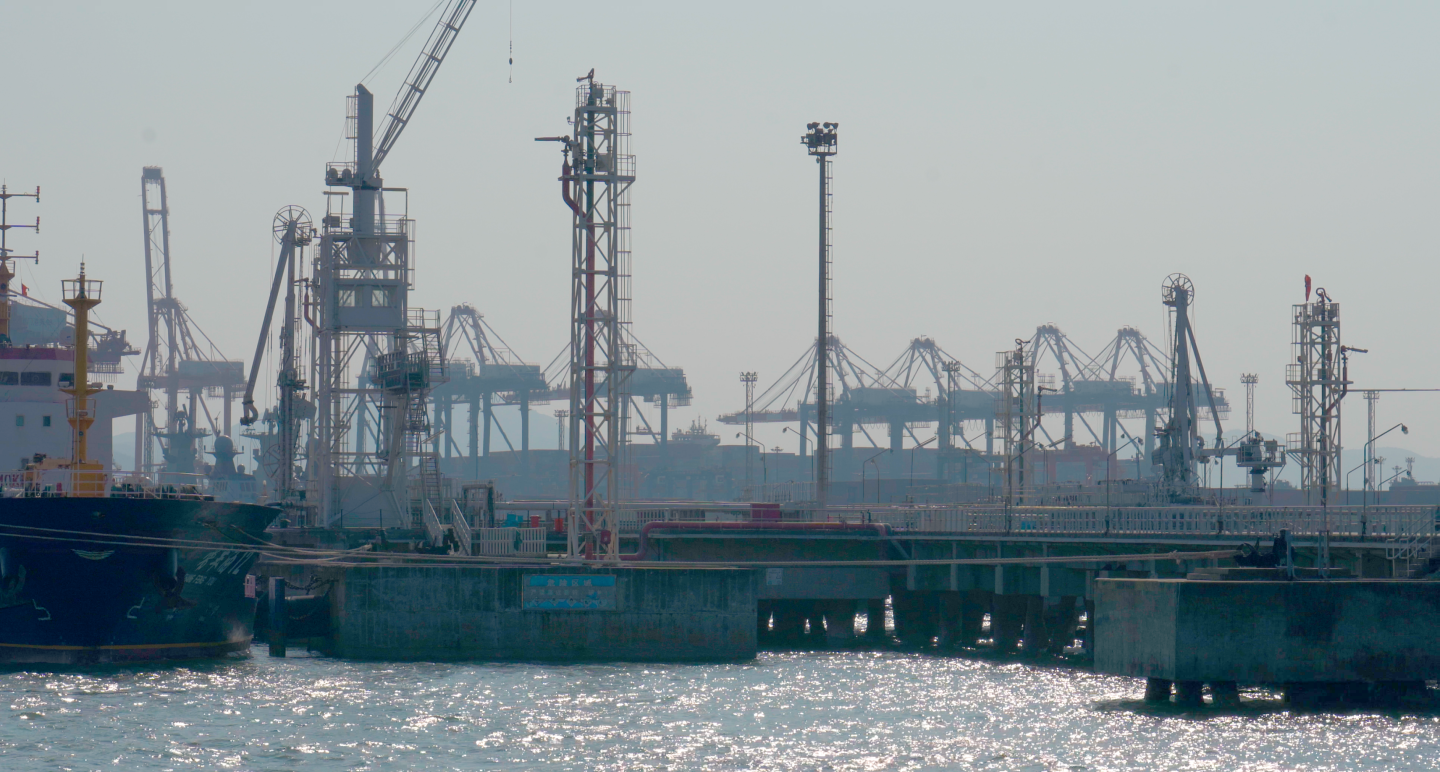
(1347, 480)
(1364, 494)
(911, 480)
(1398, 472)
(1108, 456)
(764, 467)
(871, 460)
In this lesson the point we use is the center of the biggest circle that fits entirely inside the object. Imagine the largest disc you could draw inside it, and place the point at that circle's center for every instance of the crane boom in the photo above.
(421, 74)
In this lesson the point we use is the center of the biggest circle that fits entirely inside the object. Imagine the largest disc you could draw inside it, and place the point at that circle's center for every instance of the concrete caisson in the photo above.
(1288, 633)
(495, 613)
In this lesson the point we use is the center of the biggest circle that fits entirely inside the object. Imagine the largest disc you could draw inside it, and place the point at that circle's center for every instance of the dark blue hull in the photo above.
(93, 600)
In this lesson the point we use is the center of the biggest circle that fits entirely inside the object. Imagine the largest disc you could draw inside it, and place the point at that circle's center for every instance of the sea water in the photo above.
(790, 710)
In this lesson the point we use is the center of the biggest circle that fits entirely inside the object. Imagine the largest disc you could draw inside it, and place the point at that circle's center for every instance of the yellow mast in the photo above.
(82, 295)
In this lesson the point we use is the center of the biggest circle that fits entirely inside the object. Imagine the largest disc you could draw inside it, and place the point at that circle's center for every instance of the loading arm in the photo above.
(250, 414)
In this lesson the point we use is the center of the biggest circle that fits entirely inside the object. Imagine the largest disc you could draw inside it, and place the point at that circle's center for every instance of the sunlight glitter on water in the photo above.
(859, 710)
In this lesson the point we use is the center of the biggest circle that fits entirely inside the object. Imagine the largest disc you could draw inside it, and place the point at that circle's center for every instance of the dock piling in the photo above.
(277, 616)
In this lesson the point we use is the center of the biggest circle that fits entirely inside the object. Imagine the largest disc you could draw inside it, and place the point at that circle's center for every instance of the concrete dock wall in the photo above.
(502, 613)
(1267, 631)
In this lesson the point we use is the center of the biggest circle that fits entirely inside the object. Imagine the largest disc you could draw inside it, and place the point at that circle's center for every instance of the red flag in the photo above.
(1307, 288)
(24, 290)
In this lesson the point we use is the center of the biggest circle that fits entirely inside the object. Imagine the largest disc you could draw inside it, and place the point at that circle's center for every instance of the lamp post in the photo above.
(1369, 446)
(764, 463)
(1108, 456)
(871, 460)
(911, 481)
(1398, 472)
(748, 379)
(1347, 478)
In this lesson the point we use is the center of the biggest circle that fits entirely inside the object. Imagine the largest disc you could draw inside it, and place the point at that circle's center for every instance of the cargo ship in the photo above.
(100, 566)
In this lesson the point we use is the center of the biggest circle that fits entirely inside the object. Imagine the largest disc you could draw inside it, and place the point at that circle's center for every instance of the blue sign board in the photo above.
(560, 592)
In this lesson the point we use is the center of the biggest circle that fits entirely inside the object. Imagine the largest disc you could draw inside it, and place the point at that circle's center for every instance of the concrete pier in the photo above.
(531, 614)
(1321, 641)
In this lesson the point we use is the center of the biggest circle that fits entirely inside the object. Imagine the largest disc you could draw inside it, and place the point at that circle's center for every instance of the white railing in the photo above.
(510, 542)
(1413, 539)
(1405, 529)
(1400, 524)
(463, 532)
(433, 529)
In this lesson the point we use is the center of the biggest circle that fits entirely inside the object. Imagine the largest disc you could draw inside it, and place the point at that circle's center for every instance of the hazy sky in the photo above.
(1001, 165)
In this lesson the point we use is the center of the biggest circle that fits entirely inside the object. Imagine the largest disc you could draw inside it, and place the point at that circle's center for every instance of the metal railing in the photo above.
(1406, 531)
(433, 529)
(96, 483)
(1393, 523)
(510, 542)
(1413, 541)
(463, 533)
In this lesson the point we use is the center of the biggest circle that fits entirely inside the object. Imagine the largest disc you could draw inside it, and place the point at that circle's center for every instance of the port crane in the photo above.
(373, 355)
(179, 356)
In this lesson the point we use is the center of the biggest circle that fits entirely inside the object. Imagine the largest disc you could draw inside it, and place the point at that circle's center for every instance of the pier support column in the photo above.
(1090, 627)
(1224, 694)
(1188, 694)
(914, 616)
(1062, 615)
(1157, 690)
(947, 618)
(839, 622)
(875, 619)
(789, 622)
(973, 605)
(277, 616)
(1007, 620)
(763, 609)
(1037, 637)
(814, 613)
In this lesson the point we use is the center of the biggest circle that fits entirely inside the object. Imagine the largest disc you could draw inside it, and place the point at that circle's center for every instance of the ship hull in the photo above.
(67, 598)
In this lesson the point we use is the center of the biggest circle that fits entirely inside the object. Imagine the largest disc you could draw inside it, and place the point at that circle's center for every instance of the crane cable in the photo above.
(385, 59)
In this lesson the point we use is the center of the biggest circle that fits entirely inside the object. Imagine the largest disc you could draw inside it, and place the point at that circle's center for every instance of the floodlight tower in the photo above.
(821, 141)
(1249, 380)
(595, 183)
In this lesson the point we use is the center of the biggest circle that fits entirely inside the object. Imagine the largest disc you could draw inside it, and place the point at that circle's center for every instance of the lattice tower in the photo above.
(1015, 416)
(1317, 380)
(598, 173)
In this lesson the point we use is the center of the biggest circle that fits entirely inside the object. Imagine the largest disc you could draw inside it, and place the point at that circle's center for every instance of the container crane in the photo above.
(175, 360)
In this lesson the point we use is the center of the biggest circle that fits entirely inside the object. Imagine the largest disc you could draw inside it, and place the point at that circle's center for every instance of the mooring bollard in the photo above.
(277, 616)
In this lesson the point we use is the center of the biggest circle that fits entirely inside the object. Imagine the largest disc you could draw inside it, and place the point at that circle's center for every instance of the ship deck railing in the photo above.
(95, 483)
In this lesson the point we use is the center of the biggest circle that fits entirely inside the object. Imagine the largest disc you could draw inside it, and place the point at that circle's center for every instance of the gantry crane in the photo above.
(179, 356)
